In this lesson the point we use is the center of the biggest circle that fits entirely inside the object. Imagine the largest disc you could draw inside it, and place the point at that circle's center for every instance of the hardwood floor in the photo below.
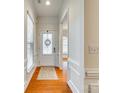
(48, 86)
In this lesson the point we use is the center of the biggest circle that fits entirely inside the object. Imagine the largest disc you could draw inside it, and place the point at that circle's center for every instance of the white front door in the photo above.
(47, 48)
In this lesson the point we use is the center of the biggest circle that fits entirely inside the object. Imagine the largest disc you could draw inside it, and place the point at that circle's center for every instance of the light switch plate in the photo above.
(93, 49)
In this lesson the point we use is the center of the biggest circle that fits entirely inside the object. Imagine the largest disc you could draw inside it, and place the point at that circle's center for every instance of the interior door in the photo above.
(47, 48)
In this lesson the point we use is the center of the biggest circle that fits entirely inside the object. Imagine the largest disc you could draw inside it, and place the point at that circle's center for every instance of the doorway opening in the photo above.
(64, 44)
(51, 47)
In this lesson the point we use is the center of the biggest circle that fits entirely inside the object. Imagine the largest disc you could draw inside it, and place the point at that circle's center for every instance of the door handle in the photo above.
(54, 50)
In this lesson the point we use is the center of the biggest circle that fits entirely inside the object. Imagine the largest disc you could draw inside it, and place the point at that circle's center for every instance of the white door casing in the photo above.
(48, 59)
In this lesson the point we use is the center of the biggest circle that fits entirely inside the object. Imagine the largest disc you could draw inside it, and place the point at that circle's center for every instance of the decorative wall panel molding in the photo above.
(92, 73)
(74, 76)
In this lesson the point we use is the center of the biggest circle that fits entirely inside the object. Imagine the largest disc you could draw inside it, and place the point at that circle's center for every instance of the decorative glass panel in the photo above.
(47, 43)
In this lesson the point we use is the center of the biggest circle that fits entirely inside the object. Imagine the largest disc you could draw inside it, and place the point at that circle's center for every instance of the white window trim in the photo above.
(29, 70)
(31, 67)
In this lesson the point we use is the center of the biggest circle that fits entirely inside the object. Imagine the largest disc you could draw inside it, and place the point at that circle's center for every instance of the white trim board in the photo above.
(92, 73)
(27, 83)
(64, 14)
(73, 61)
(72, 87)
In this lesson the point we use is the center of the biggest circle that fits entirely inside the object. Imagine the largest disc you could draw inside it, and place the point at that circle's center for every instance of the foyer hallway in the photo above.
(54, 32)
(48, 86)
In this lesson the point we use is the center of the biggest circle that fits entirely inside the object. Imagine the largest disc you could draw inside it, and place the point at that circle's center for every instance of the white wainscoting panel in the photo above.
(74, 76)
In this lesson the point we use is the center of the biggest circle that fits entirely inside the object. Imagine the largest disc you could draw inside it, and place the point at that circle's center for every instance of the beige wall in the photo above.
(91, 26)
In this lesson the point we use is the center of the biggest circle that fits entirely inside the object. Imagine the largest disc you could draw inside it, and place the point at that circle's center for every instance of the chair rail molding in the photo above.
(92, 73)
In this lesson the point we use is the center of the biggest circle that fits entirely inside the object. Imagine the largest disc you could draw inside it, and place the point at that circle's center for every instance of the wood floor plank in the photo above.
(48, 86)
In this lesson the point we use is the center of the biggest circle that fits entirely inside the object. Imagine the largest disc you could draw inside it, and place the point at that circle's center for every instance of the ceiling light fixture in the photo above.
(48, 3)
(39, 1)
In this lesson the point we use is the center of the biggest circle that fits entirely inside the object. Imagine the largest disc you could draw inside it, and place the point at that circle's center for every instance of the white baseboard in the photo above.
(72, 87)
(27, 83)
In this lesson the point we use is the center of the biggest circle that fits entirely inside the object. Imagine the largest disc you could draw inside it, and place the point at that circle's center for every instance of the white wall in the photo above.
(44, 24)
(29, 7)
(76, 43)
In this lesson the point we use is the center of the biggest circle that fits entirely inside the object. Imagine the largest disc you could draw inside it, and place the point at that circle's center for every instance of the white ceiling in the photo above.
(52, 10)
